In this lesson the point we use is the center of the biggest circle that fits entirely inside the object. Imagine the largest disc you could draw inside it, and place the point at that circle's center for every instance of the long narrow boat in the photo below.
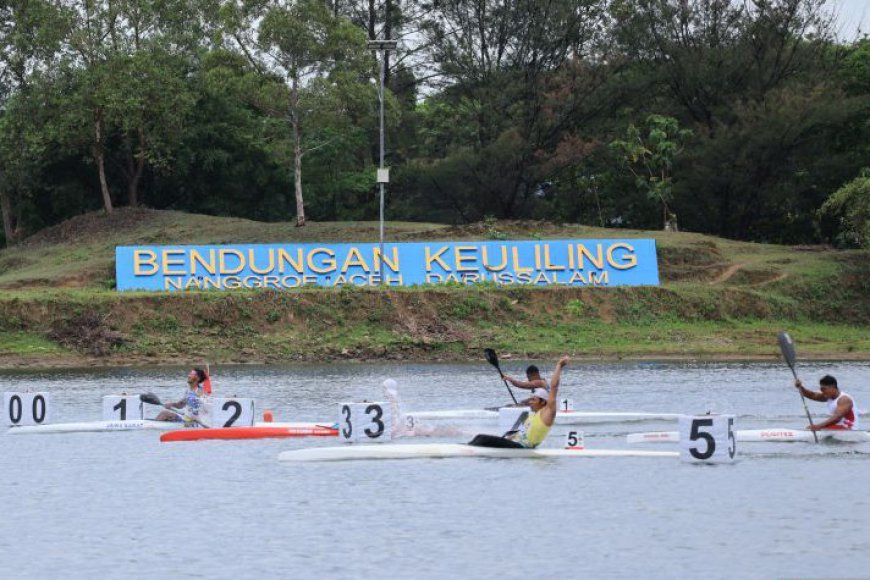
(94, 426)
(444, 450)
(260, 431)
(131, 425)
(562, 417)
(759, 435)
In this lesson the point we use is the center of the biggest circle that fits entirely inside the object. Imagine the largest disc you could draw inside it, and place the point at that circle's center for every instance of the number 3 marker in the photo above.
(367, 422)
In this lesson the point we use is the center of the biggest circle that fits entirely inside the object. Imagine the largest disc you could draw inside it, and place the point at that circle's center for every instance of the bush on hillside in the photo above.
(87, 333)
(850, 206)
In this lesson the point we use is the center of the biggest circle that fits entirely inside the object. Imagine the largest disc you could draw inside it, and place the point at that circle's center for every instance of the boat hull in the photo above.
(257, 432)
(94, 426)
(134, 425)
(562, 417)
(447, 450)
(760, 435)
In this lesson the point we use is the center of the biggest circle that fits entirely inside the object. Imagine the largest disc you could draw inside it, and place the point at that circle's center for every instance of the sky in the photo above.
(853, 14)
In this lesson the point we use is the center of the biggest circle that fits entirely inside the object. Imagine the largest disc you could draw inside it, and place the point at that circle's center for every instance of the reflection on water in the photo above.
(112, 504)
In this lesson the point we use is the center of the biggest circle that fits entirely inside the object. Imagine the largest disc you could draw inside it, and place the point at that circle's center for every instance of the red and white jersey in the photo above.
(850, 421)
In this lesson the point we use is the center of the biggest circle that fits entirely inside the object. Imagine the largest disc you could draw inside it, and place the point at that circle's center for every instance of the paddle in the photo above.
(786, 345)
(492, 358)
(153, 399)
(206, 384)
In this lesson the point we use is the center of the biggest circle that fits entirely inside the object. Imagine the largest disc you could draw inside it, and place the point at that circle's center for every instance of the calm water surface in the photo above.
(125, 505)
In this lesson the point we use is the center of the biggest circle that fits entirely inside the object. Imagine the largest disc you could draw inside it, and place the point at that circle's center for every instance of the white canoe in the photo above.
(562, 417)
(759, 435)
(113, 426)
(440, 450)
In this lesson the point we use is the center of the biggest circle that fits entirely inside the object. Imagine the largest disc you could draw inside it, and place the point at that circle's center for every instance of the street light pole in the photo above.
(383, 174)
(381, 183)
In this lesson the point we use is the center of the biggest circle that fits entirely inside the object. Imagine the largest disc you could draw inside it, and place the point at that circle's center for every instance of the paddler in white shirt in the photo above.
(842, 408)
(535, 381)
(536, 427)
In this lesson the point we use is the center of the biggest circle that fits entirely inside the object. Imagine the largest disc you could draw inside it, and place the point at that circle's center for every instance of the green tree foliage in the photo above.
(495, 108)
(649, 155)
(496, 58)
(232, 160)
(30, 34)
(23, 149)
(321, 58)
(850, 206)
(757, 84)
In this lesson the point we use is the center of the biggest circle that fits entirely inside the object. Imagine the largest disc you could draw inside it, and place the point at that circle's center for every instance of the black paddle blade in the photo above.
(786, 345)
(491, 357)
(150, 398)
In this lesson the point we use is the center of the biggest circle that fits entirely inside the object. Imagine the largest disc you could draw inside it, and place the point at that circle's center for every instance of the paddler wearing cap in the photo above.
(534, 430)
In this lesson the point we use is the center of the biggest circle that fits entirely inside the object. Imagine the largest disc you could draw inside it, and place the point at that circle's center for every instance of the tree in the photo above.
(92, 24)
(649, 155)
(850, 206)
(30, 32)
(758, 85)
(232, 158)
(147, 102)
(498, 59)
(321, 58)
(144, 89)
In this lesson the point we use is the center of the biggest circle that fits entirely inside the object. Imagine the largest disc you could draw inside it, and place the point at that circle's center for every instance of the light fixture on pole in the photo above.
(384, 46)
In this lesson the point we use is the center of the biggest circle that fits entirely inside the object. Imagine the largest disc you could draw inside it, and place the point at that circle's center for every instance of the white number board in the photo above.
(707, 439)
(232, 412)
(27, 408)
(365, 422)
(122, 408)
(566, 405)
(510, 418)
(574, 440)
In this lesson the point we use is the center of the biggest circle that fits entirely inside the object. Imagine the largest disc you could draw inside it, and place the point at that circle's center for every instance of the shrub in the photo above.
(575, 308)
(850, 205)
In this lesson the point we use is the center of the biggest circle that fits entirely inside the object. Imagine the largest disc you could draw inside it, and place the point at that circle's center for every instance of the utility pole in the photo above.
(384, 46)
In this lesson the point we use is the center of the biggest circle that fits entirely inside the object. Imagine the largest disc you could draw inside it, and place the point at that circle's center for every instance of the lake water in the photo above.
(125, 505)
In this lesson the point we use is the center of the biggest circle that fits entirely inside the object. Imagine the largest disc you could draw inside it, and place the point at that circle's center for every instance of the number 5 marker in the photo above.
(707, 439)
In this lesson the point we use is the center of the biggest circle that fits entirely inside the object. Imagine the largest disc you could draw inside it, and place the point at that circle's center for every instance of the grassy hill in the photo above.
(718, 298)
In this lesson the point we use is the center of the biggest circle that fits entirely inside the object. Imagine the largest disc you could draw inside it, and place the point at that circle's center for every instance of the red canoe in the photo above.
(300, 430)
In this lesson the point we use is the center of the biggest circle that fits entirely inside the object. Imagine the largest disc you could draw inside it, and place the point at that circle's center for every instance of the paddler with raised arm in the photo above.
(841, 407)
(191, 402)
(534, 430)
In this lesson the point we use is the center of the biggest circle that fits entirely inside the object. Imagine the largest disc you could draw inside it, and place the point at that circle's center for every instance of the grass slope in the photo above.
(718, 298)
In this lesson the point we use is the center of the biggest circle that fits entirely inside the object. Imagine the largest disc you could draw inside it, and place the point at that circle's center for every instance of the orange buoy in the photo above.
(267, 416)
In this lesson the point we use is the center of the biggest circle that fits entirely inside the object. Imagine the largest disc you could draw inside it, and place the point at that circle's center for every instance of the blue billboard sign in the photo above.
(625, 262)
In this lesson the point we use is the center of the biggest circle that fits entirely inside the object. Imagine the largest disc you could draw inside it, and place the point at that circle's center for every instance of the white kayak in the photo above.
(109, 426)
(562, 417)
(95, 426)
(443, 450)
(759, 435)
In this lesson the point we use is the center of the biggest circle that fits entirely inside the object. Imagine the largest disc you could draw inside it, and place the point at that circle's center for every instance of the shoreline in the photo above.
(718, 300)
(19, 362)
